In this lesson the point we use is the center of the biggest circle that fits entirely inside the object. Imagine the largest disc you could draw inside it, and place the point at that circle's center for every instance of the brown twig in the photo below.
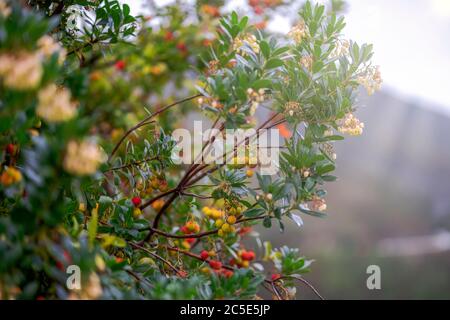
(186, 180)
(171, 266)
(304, 282)
(196, 235)
(195, 256)
(135, 163)
(147, 119)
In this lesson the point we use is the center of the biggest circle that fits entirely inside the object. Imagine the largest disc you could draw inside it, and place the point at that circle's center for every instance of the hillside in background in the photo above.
(390, 207)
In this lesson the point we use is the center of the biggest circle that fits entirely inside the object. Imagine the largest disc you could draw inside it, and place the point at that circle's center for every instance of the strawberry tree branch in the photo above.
(147, 119)
(171, 266)
(303, 281)
(196, 235)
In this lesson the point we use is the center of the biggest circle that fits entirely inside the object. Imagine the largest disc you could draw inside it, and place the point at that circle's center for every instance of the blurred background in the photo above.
(391, 204)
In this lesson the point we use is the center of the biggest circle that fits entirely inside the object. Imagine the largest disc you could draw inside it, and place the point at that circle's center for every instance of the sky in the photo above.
(411, 41)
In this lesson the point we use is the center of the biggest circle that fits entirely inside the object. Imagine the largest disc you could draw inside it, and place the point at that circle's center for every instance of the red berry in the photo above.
(245, 230)
(136, 201)
(185, 230)
(59, 265)
(216, 265)
(168, 36)
(67, 256)
(248, 255)
(258, 10)
(276, 276)
(182, 47)
(227, 273)
(120, 65)
(204, 254)
(10, 148)
(190, 240)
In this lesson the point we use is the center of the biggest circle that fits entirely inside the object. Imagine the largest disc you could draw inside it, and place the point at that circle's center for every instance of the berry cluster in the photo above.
(244, 259)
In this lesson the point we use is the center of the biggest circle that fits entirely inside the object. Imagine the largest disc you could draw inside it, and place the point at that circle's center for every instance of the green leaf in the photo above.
(325, 169)
(262, 83)
(126, 10)
(254, 212)
(265, 48)
(267, 222)
(312, 213)
(92, 226)
(274, 63)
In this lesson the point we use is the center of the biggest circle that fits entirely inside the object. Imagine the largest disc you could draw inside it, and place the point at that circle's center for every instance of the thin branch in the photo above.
(196, 195)
(138, 278)
(196, 235)
(161, 195)
(135, 163)
(188, 176)
(195, 256)
(304, 282)
(275, 289)
(137, 246)
(181, 236)
(145, 121)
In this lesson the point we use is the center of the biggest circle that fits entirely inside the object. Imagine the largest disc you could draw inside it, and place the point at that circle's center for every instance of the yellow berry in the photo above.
(205, 270)
(220, 233)
(225, 227)
(186, 245)
(136, 212)
(231, 219)
(82, 207)
(249, 173)
(245, 264)
(219, 223)
(207, 211)
(212, 253)
(217, 214)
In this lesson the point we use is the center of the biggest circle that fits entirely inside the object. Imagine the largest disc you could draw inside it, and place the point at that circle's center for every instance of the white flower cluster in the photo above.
(47, 46)
(318, 204)
(83, 158)
(292, 108)
(371, 79)
(342, 49)
(247, 39)
(5, 10)
(351, 125)
(307, 62)
(55, 105)
(255, 98)
(298, 32)
(73, 14)
(23, 70)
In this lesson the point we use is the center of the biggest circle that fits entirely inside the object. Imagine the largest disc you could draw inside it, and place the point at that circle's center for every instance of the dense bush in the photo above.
(89, 96)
